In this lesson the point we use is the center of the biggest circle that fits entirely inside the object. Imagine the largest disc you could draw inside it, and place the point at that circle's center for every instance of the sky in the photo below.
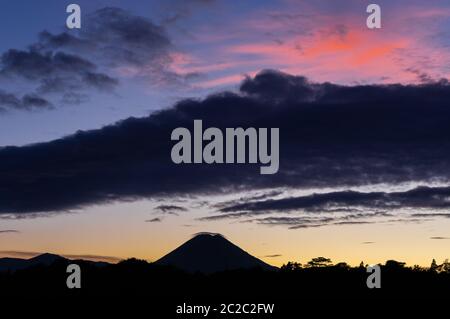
(86, 116)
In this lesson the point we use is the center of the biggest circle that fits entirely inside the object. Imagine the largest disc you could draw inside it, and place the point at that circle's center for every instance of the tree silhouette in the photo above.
(291, 266)
(434, 267)
(417, 268)
(394, 264)
(342, 265)
(319, 262)
(445, 267)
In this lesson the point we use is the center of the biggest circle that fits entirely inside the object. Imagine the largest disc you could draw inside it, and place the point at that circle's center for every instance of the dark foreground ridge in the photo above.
(209, 267)
(138, 278)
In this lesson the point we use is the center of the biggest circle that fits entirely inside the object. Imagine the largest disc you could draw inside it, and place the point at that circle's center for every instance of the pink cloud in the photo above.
(223, 81)
(304, 39)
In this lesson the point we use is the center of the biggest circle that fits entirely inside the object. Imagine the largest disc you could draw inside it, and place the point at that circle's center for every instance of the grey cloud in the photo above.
(69, 64)
(115, 37)
(420, 197)
(9, 231)
(170, 209)
(35, 101)
(99, 81)
(48, 40)
(126, 38)
(245, 199)
(431, 215)
(228, 216)
(298, 222)
(28, 101)
(34, 65)
(54, 71)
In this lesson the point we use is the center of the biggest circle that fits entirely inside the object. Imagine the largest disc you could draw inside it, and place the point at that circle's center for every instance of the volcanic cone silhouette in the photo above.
(210, 252)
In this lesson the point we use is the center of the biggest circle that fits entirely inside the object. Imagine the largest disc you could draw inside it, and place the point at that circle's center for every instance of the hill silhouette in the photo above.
(209, 253)
(46, 259)
(14, 264)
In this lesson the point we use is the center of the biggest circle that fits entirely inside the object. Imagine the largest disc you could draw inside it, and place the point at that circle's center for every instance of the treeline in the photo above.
(320, 262)
(318, 279)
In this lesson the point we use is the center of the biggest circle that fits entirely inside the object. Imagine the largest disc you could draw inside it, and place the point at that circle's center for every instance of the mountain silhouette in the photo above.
(13, 264)
(46, 259)
(210, 252)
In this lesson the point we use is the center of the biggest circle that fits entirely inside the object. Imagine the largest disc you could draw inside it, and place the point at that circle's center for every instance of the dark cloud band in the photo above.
(330, 135)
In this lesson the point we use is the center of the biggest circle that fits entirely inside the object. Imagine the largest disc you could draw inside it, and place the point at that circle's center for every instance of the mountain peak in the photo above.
(211, 252)
(207, 234)
(45, 259)
(13, 264)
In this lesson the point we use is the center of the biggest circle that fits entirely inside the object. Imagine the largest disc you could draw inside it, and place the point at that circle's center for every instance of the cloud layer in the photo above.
(330, 136)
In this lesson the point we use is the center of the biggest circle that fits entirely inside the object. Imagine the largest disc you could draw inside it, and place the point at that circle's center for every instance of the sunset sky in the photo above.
(365, 139)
